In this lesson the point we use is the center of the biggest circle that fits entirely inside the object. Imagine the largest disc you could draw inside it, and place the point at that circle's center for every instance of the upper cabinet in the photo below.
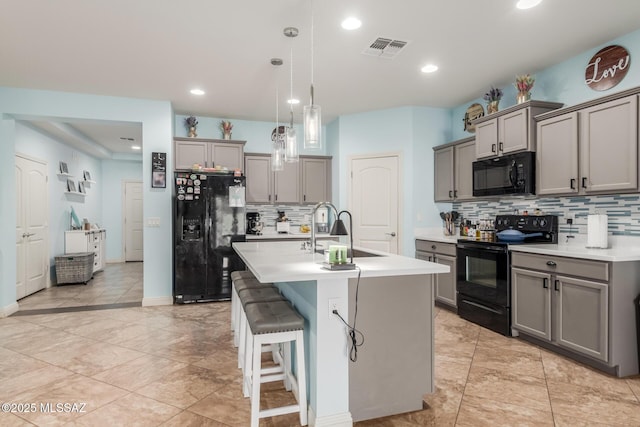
(316, 179)
(208, 153)
(453, 170)
(589, 149)
(509, 130)
(306, 181)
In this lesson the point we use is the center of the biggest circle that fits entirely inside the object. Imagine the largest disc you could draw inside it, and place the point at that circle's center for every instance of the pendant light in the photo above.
(291, 140)
(277, 149)
(311, 113)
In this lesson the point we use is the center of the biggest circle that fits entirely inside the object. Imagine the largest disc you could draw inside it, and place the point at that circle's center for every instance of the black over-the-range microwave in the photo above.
(509, 174)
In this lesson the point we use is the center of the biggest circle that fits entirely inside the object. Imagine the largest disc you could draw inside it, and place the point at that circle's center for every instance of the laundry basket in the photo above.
(74, 268)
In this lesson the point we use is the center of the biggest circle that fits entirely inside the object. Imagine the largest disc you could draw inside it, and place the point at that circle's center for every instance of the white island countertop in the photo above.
(286, 261)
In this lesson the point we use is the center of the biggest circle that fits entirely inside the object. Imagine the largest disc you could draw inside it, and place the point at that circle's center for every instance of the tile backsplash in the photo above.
(297, 215)
(623, 211)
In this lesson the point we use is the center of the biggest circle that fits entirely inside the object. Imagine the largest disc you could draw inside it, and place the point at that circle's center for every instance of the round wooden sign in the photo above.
(475, 111)
(607, 68)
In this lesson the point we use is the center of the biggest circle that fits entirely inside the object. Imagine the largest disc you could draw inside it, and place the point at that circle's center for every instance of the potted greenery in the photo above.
(493, 98)
(191, 122)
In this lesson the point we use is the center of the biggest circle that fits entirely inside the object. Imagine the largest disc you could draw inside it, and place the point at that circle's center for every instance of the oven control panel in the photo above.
(527, 223)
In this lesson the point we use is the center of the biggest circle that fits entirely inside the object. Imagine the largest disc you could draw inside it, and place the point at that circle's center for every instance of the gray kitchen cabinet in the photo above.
(453, 173)
(557, 155)
(609, 146)
(568, 311)
(510, 130)
(259, 178)
(287, 186)
(316, 179)
(208, 153)
(589, 149)
(445, 254)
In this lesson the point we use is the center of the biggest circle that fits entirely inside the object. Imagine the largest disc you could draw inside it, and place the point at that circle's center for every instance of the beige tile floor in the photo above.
(118, 283)
(176, 366)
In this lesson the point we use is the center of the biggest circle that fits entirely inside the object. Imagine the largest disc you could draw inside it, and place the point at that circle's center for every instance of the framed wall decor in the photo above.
(475, 111)
(63, 168)
(81, 187)
(87, 176)
(158, 170)
(71, 186)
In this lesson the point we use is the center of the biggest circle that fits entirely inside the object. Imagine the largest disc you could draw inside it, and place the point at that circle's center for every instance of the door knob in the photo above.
(392, 234)
(28, 234)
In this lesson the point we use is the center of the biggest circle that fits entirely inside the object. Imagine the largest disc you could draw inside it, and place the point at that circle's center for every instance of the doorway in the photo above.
(32, 225)
(133, 221)
(374, 201)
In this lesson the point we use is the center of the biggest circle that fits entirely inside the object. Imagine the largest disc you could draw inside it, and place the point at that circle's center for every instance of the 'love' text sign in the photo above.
(607, 68)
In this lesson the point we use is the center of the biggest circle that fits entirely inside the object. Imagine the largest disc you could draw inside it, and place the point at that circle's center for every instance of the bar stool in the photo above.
(254, 295)
(236, 307)
(274, 323)
(237, 275)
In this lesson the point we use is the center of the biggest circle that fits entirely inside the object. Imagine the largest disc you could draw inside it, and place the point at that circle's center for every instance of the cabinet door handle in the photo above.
(433, 247)
(572, 183)
(304, 198)
(493, 148)
(500, 147)
(584, 182)
(450, 194)
(275, 199)
(269, 197)
(455, 193)
(545, 283)
(435, 258)
(551, 263)
(555, 285)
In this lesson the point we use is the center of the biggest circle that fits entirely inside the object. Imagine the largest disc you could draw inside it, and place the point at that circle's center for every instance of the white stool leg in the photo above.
(250, 355)
(242, 337)
(301, 377)
(255, 382)
(234, 297)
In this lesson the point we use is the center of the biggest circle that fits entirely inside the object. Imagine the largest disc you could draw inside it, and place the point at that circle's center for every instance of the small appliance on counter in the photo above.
(282, 223)
(322, 220)
(254, 226)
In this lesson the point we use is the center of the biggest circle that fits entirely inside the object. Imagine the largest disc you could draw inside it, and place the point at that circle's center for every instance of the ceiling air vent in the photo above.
(385, 48)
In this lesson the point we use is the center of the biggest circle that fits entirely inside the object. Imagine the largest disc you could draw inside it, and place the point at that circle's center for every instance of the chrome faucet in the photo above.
(313, 222)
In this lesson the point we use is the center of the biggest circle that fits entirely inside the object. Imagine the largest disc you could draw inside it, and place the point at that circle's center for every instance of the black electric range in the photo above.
(484, 269)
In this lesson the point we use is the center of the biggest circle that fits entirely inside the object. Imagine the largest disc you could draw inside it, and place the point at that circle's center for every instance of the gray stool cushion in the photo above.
(241, 284)
(245, 274)
(271, 317)
(262, 294)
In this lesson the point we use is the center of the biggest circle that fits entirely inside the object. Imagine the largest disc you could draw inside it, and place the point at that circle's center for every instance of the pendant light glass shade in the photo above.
(277, 156)
(291, 146)
(312, 127)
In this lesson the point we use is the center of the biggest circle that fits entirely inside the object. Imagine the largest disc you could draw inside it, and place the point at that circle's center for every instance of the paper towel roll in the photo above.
(597, 229)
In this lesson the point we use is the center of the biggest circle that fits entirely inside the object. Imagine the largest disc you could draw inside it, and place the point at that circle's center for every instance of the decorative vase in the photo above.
(227, 135)
(192, 132)
(492, 107)
(523, 97)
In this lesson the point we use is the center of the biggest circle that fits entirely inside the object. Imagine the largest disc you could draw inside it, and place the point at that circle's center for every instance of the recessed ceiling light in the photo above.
(351, 23)
(527, 4)
(429, 68)
(135, 147)
(293, 101)
(197, 92)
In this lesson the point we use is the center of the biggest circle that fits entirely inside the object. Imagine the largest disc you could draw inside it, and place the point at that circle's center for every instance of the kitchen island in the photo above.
(394, 366)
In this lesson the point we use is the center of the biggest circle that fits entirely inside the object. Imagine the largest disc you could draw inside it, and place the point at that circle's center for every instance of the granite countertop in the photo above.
(294, 234)
(286, 261)
(621, 248)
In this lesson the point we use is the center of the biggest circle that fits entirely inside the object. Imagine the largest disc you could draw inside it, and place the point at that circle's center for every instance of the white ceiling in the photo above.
(160, 49)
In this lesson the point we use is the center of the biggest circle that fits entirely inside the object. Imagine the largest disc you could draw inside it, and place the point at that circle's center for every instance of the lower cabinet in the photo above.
(568, 311)
(445, 254)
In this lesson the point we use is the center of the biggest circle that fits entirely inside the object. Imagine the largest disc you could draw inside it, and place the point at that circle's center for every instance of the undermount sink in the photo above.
(357, 253)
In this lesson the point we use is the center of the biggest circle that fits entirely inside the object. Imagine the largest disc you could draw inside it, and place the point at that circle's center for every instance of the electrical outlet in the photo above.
(334, 304)
(570, 217)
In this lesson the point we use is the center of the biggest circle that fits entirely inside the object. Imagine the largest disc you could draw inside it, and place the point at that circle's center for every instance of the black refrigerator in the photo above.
(209, 215)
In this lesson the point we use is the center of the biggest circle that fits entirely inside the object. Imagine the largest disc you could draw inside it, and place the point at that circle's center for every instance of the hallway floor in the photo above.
(176, 366)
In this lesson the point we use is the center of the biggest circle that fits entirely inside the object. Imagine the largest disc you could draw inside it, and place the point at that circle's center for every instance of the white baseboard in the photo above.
(335, 420)
(148, 302)
(9, 310)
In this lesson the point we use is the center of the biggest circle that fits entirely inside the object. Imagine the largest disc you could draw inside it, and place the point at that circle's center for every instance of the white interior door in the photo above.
(374, 202)
(133, 229)
(32, 226)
